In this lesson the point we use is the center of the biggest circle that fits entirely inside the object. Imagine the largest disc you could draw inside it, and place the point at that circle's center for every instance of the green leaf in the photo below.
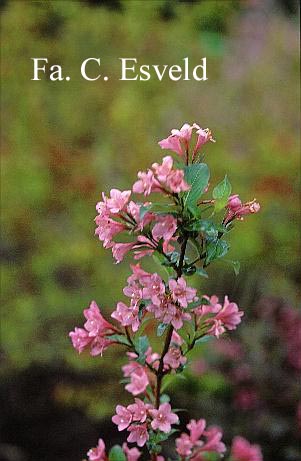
(215, 250)
(221, 194)
(203, 339)
(141, 346)
(161, 328)
(116, 454)
(201, 271)
(197, 176)
(119, 339)
(208, 228)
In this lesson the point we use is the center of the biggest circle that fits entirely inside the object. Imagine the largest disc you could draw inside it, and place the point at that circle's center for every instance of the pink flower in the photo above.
(236, 209)
(107, 229)
(178, 140)
(172, 143)
(80, 339)
(119, 250)
(96, 324)
(154, 288)
(162, 171)
(204, 135)
(174, 358)
(163, 418)
(117, 200)
(138, 410)
(213, 442)
(212, 308)
(181, 292)
(164, 228)
(184, 445)
(139, 381)
(98, 453)
(242, 450)
(196, 429)
(176, 339)
(123, 417)
(229, 315)
(175, 182)
(146, 183)
(127, 315)
(132, 454)
(95, 332)
(138, 434)
(234, 203)
(99, 344)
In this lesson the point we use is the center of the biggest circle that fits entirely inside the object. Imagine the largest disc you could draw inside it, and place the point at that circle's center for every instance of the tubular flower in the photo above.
(235, 209)
(95, 334)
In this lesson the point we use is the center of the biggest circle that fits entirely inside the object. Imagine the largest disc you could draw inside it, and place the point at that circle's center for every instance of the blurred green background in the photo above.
(65, 142)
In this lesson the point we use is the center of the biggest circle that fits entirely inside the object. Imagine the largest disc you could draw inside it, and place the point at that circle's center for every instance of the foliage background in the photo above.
(65, 142)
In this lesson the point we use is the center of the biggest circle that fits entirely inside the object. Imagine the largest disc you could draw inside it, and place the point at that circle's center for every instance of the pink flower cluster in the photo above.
(226, 316)
(237, 210)
(95, 332)
(166, 303)
(98, 453)
(242, 450)
(179, 140)
(161, 178)
(191, 446)
(139, 417)
(116, 215)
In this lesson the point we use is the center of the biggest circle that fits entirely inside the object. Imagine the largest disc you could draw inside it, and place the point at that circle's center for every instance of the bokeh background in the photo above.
(65, 142)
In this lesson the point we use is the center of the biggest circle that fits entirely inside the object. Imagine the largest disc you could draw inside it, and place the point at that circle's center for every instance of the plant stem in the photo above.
(160, 372)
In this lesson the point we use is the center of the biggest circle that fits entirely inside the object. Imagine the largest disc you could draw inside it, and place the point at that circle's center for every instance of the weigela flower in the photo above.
(138, 410)
(127, 315)
(95, 332)
(173, 358)
(154, 288)
(96, 324)
(184, 445)
(226, 317)
(123, 417)
(117, 200)
(181, 292)
(196, 429)
(192, 445)
(229, 315)
(164, 228)
(163, 418)
(137, 374)
(138, 434)
(132, 454)
(179, 140)
(119, 250)
(162, 178)
(237, 210)
(98, 453)
(242, 450)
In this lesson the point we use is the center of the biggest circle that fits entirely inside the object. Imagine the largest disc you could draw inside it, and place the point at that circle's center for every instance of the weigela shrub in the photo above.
(184, 231)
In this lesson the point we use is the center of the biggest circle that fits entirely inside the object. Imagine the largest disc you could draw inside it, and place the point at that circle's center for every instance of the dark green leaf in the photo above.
(221, 194)
(119, 339)
(141, 346)
(215, 250)
(197, 176)
(116, 454)
(161, 328)
(203, 339)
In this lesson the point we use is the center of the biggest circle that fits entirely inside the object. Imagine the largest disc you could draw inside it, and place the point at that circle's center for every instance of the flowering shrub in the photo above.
(184, 233)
